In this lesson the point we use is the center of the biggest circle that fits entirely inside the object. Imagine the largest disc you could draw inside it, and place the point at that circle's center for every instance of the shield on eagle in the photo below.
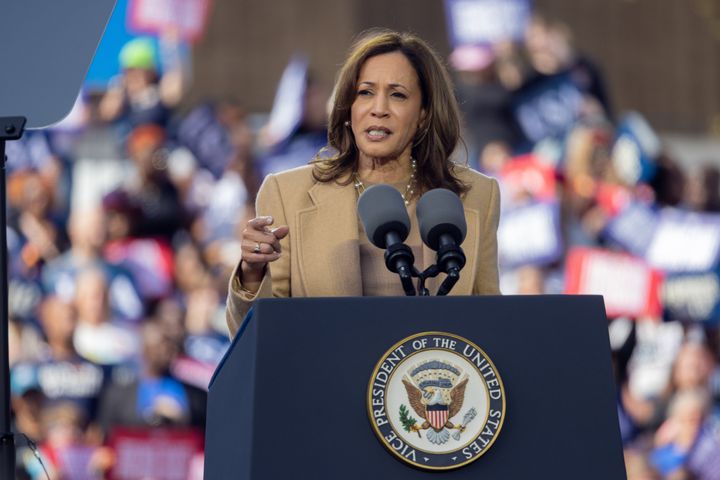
(437, 415)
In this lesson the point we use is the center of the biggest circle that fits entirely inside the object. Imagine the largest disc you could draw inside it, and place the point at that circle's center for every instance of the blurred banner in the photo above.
(630, 287)
(692, 297)
(530, 235)
(472, 22)
(685, 242)
(187, 18)
(527, 175)
(158, 453)
(548, 107)
(633, 228)
(203, 134)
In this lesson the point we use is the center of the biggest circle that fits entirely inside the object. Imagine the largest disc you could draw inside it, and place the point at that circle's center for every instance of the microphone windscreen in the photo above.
(440, 211)
(381, 209)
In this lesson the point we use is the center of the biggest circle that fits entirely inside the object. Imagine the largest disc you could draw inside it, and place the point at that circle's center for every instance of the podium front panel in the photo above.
(305, 405)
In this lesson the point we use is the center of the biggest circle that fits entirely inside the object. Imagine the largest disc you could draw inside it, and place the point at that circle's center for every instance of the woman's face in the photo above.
(387, 107)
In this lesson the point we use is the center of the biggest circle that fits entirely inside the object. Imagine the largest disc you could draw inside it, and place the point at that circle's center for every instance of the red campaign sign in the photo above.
(158, 453)
(629, 286)
(186, 17)
(528, 175)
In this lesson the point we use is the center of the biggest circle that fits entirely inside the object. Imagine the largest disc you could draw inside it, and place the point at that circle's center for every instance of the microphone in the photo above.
(441, 219)
(382, 212)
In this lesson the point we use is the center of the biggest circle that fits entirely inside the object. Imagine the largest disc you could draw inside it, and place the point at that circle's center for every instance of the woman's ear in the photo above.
(421, 121)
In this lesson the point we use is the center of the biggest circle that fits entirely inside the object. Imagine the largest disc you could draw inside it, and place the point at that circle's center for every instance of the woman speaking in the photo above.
(394, 120)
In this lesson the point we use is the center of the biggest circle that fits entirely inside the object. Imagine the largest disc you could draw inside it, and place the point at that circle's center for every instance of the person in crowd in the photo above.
(156, 398)
(702, 190)
(484, 100)
(99, 337)
(394, 120)
(677, 435)
(140, 95)
(62, 374)
(87, 229)
(65, 450)
(303, 141)
(154, 197)
(550, 50)
(41, 237)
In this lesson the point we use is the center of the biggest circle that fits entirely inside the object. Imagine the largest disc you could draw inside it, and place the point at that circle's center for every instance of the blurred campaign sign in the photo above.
(633, 228)
(158, 453)
(527, 175)
(287, 109)
(203, 134)
(186, 18)
(51, 46)
(653, 357)
(635, 150)
(693, 297)
(548, 108)
(530, 235)
(685, 242)
(486, 21)
(629, 286)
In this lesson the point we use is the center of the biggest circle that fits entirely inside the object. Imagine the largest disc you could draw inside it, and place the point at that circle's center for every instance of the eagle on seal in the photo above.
(432, 405)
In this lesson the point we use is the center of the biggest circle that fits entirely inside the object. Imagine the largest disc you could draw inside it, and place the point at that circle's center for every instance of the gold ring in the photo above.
(257, 248)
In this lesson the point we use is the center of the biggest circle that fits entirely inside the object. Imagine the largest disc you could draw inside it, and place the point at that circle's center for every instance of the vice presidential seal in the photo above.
(436, 401)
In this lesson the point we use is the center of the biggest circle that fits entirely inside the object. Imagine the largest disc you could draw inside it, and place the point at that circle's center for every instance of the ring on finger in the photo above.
(257, 247)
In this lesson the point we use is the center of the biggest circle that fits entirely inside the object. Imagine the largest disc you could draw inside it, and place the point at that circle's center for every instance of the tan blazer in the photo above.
(321, 256)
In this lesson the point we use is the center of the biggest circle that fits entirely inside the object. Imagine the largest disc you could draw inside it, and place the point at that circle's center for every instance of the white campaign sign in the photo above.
(528, 235)
(623, 282)
(684, 246)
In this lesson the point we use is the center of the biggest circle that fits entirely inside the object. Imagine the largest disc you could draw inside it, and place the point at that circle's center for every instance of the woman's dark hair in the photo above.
(438, 134)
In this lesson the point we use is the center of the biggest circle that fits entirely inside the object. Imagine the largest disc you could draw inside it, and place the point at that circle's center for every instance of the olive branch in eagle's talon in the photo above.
(408, 422)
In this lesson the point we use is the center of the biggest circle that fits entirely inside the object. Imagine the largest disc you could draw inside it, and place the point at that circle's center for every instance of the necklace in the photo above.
(409, 188)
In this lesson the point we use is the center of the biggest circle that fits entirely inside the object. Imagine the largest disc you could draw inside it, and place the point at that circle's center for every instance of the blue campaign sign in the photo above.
(635, 150)
(530, 235)
(692, 297)
(685, 242)
(548, 108)
(201, 132)
(633, 228)
(473, 22)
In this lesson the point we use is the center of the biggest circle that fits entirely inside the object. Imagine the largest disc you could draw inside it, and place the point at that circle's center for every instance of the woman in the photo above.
(394, 120)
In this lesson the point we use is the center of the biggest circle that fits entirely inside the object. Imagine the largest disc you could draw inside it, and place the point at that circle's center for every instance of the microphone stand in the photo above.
(11, 128)
(399, 258)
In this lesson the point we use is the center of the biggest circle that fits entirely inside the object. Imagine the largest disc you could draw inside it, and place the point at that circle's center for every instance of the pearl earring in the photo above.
(347, 123)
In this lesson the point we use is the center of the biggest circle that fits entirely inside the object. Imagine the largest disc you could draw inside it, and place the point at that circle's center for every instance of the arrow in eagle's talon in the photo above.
(469, 415)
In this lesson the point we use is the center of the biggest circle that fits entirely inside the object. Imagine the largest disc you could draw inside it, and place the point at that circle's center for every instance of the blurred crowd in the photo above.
(123, 231)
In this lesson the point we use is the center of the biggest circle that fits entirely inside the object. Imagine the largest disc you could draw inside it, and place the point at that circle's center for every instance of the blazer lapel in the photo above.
(328, 254)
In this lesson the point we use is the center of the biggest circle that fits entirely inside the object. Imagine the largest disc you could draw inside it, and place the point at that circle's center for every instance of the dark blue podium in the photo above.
(289, 399)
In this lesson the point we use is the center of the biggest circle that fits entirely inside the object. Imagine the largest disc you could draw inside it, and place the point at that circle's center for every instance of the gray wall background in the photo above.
(659, 57)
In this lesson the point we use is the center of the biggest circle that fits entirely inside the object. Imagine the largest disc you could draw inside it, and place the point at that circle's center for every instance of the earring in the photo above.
(347, 123)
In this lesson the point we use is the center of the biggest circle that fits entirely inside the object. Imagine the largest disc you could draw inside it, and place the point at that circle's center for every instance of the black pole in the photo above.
(11, 128)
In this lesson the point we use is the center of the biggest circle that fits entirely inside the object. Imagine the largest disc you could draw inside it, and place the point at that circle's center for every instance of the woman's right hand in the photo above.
(260, 244)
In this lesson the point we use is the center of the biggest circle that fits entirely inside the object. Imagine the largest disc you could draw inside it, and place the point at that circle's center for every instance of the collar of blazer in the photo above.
(328, 252)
